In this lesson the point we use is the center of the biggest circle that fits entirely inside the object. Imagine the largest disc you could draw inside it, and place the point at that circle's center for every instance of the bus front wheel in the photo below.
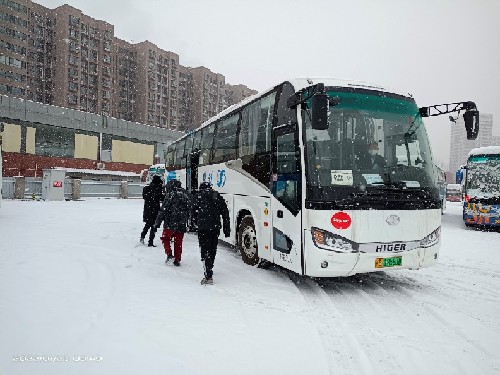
(247, 241)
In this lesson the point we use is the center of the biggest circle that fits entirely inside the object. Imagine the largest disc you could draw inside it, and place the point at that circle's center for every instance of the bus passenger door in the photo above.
(192, 171)
(192, 182)
(287, 223)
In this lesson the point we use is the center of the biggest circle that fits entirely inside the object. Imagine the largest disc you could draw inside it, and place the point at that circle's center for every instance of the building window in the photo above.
(74, 21)
(73, 33)
(54, 141)
(72, 99)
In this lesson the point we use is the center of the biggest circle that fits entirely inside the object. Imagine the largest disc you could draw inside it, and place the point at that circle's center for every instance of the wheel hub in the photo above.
(249, 242)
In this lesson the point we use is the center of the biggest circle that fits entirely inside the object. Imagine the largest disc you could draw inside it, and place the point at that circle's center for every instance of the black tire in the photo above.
(247, 241)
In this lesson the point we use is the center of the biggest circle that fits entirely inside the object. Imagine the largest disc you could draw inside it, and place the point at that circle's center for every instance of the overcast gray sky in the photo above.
(440, 51)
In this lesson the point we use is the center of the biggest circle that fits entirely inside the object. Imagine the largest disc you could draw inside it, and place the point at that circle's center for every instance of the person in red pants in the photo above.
(174, 214)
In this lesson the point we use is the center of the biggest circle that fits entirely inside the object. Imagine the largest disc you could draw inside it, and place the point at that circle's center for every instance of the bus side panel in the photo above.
(229, 198)
(262, 221)
(287, 238)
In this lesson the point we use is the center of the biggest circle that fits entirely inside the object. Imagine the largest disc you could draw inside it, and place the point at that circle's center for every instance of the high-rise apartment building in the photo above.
(63, 57)
(460, 146)
(83, 61)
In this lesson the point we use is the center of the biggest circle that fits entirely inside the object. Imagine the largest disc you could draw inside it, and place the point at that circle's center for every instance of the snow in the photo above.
(98, 171)
(77, 284)
(487, 150)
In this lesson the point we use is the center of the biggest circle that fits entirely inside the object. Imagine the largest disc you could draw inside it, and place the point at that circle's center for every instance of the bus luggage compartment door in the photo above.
(287, 238)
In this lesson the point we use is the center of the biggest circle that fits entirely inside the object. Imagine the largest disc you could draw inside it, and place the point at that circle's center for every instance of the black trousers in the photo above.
(208, 240)
(149, 225)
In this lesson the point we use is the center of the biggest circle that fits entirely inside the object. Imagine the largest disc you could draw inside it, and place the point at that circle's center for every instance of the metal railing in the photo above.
(88, 188)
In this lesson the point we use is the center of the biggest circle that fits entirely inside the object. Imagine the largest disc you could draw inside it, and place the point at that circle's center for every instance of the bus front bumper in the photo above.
(325, 263)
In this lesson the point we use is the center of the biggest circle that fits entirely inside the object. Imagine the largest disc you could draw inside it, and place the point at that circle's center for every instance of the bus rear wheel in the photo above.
(247, 241)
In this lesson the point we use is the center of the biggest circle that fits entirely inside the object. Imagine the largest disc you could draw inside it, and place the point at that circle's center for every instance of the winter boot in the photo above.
(141, 240)
(206, 281)
(169, 258)
(151, 244)
(177, 263)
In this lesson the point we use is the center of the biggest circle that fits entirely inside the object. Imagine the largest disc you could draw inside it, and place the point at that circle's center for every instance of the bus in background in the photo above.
(155, 170)
(323, 177)
(441, 184)
(453, 193)
(482, 188)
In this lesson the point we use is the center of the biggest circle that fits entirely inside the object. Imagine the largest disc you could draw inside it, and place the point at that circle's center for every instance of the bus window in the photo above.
(256, 123)
(197, 140)
(189, 149)
(287, 186)
(225, 140)
(169, 156)
(206, 145)
(180, 160)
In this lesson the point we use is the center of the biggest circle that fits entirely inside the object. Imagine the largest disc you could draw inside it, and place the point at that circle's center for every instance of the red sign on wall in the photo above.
(57, 184)
(341, 220)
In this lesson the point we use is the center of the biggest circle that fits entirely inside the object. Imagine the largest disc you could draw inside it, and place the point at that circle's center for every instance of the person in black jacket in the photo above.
(153, 196)
(210, 206)
(369, 158)
(174, 213)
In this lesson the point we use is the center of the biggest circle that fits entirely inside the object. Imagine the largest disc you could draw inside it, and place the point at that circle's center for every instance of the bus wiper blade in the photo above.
(391, 184)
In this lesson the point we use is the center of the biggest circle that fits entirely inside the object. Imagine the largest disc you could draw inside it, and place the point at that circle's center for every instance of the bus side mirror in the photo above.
(471, 126)
(320, 108)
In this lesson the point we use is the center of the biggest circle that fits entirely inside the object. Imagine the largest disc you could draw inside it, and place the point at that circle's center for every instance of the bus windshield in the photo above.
(376, 145)
(483, 176)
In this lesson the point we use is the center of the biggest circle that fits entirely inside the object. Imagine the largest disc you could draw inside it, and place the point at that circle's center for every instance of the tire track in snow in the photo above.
(353, 298)
(344, 352)
(425, 330)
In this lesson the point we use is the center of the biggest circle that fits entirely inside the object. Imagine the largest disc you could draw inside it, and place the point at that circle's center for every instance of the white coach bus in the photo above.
(323, 177)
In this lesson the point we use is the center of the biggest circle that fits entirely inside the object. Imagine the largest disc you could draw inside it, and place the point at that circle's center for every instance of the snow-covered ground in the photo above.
(76, 287)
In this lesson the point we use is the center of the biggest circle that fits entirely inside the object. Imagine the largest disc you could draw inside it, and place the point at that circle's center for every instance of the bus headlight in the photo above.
(329, 241)
(431, 239)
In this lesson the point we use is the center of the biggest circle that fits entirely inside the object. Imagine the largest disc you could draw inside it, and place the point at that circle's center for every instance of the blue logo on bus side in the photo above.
(207, 177)
(221, 177)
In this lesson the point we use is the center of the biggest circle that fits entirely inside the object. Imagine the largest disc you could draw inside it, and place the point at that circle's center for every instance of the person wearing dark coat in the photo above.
(153, 196)
(174, 213)
(210, 206)
(370, 159)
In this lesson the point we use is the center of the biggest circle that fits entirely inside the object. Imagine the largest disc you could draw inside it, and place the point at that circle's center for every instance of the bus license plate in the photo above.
(388, 262)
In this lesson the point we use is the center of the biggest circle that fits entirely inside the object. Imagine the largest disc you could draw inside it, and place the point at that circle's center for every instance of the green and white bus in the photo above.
(321, 176)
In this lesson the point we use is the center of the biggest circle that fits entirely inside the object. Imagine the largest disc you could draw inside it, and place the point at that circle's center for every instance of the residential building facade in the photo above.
(65, 58)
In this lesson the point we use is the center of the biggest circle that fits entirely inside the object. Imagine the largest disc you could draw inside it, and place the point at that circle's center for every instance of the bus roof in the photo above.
(487, 150)
(299, 84)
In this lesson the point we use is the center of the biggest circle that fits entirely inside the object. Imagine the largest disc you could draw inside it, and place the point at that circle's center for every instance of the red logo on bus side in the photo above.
(341, 220)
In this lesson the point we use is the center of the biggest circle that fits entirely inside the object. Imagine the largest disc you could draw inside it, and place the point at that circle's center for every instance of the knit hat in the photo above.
(205, 185)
